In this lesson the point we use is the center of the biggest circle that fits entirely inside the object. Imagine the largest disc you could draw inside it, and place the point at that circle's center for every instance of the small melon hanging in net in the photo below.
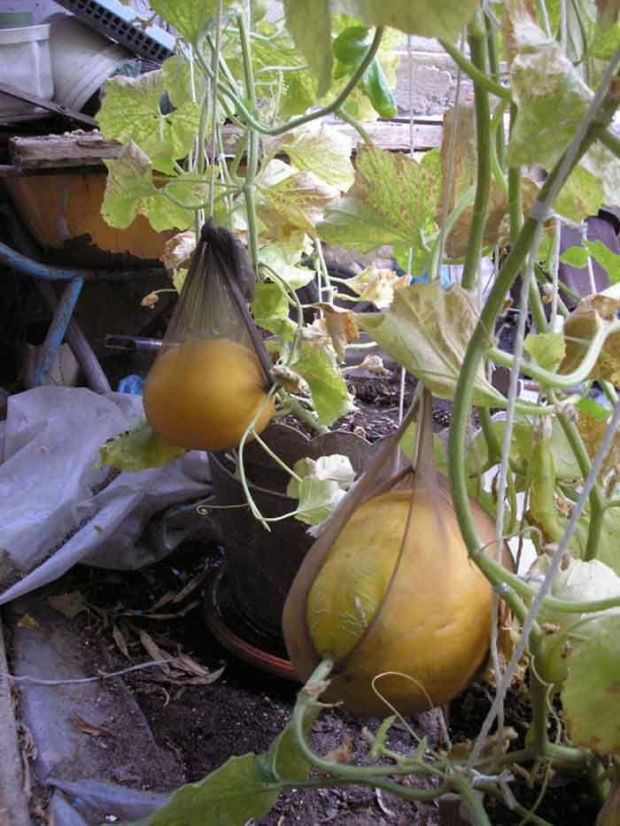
(204, 393)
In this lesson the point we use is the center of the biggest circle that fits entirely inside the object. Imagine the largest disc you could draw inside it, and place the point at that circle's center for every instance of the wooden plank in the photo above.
(79, 149)
(13, 801)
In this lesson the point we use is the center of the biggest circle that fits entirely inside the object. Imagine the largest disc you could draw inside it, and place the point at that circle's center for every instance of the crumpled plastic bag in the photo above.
(58, 508)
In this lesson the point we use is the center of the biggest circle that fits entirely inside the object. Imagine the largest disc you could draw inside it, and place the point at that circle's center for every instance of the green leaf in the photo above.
(606, 166)
(575, 257)
(581, 196)
(297, 85)
(284, 759)
(427, 330)
(442, 18)
(591, 692)
(230, 796)
(609, 260)
(188, 17)
(606, 43)
(547, 349)
(316, 363)
(407, 445)
(138, 449)
(319, 148)
(593, 409)
(392, 202)
(131, 112)
(130, 191)
(310, 26)
(270, 309)
(551, 96)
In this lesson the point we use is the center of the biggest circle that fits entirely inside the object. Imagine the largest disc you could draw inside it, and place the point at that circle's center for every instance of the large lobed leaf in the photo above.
(394, 200)
(427, 330)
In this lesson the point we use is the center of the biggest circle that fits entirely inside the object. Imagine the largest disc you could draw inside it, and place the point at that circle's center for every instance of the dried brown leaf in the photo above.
(90, 728)
(340, 325)
(150, 300)
(152, 649)
(28, 621)
(120, 640)
(69, 605)
(178, 250)
(580, 328)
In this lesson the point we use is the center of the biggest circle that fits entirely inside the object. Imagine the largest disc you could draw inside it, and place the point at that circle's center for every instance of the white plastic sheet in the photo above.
(57, 508)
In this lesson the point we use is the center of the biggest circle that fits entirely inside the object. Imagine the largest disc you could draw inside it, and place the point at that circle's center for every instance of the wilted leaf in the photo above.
(374, 364)
(29, 622)
(317, 499)
(609, 815)
(130, 191)
(551, 96)
(459, 158)
(290, 201)
(340, 325)
(393, 201)
(120, 640)
(547, 349)
(591, 692)
(319, 148)
(427, 331)
(138, 449)
(592, 314)
(317, 365)
(70, 604)
(150, 300)
(377, 285)
(334, 468)
(178, 250)
(270, 309)
(592, 424)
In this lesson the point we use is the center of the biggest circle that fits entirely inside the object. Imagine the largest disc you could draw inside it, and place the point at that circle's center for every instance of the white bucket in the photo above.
(82, 60)
(25, 63)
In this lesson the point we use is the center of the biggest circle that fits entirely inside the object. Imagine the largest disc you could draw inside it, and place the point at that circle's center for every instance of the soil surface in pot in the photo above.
(243, 709)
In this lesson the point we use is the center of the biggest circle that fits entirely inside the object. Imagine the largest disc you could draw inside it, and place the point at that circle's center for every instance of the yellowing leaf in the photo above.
(138, 449)
(188, 17)
(547, 349)
(592, 689)
(130, 191)
(442, 18)
(319, 148)
(290, 201)
(270, 309)
(581, 196)
(310, 26)
(427, 330)
(592, 431)
(551, 96)
(393, 200)
(131, 112)
(284, 260)
(377, 285)
(340, 325)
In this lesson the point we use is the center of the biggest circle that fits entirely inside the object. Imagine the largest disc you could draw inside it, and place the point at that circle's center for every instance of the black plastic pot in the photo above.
(261, 564)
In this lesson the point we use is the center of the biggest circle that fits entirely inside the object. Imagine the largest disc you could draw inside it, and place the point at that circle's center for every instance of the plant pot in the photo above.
(261, 564)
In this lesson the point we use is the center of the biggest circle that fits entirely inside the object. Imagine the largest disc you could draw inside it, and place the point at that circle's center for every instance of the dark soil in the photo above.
(245, 708)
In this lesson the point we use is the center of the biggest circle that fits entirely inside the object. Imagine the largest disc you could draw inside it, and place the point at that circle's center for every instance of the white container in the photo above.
(82, 60)
(25, 63)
